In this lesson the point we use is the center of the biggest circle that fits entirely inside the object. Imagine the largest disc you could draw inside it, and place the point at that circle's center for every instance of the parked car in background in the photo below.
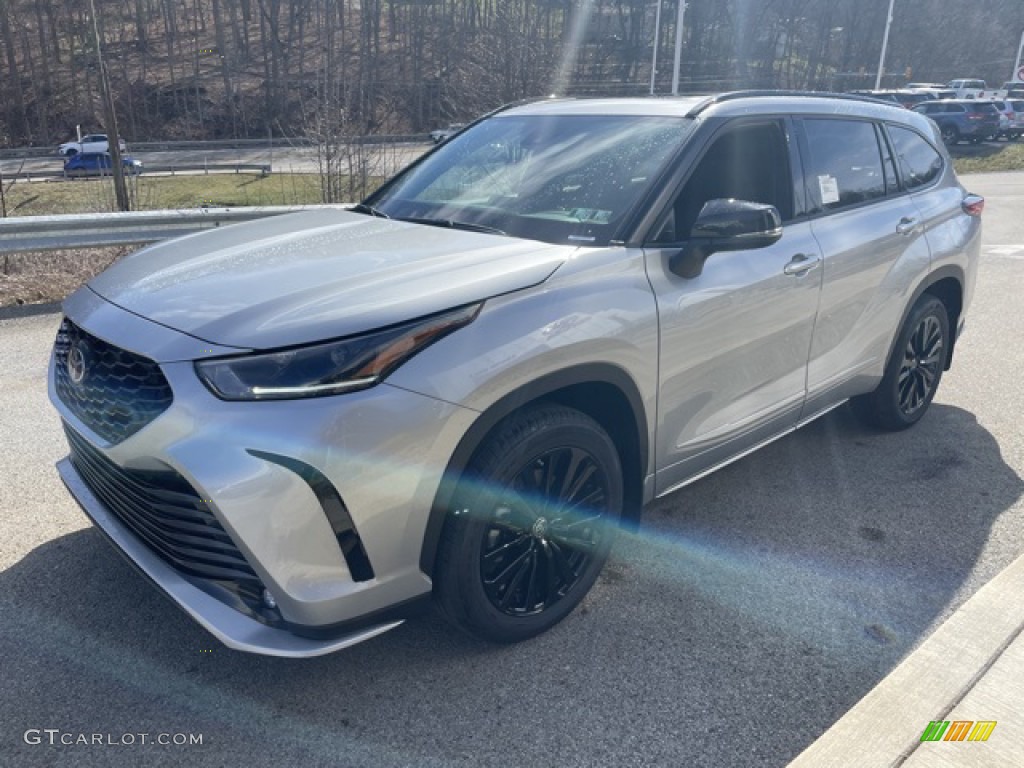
(1011, 125)
(93, 142)
(443, 134)
(907, 98)
(301, 427)
(904, 98)
(1017, 105)
(967, 88)
(962, 119)
(934, 92)
(1012, 89)
(97, 164)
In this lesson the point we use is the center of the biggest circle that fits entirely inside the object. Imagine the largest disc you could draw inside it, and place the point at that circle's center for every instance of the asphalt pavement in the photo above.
(386, 159)
(749, 613)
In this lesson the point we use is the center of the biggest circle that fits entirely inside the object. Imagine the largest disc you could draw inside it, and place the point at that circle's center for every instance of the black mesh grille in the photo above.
(119, 392)
(164, 511)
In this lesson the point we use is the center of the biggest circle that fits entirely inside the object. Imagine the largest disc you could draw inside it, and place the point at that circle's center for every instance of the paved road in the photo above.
(386, 159)
(752, 609)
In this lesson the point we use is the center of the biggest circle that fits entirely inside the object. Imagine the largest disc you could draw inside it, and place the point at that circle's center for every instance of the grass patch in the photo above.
(988, 157)
(27, 278)
(30, 278)
(42, 198)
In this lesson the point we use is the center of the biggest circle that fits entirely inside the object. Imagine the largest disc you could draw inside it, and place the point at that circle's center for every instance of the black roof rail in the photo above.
(733, 95)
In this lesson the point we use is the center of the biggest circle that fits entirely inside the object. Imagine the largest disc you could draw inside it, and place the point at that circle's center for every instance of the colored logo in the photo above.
(958, 730)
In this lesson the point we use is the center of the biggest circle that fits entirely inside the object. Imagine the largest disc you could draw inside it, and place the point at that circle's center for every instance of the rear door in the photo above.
(734, 340)
(875, 252)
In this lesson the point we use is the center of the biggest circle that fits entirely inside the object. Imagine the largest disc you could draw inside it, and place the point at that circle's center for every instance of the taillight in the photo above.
(975, 116)
(973, 205)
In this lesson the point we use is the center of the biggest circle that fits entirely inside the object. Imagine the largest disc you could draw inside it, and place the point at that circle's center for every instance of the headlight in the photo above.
(331, 368)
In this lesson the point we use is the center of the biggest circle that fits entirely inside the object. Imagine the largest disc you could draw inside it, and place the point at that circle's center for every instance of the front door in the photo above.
(734, 341)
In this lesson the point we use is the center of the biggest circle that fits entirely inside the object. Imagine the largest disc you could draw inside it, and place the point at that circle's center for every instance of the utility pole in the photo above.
(679, 47)
(654, 54)
(885, 44)
(1018, 74)
(113, 137)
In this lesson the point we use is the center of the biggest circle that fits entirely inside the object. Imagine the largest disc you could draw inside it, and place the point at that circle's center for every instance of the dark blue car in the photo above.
(97, 164)
(963, 119)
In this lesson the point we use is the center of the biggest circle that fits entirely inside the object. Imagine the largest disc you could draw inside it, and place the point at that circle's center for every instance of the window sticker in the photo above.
(829, 189)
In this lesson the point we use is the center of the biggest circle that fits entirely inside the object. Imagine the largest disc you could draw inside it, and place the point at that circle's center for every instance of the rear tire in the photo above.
(531, 524)
(913, 372)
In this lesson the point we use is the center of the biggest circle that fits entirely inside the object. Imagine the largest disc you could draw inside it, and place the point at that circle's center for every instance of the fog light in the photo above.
(268, 599)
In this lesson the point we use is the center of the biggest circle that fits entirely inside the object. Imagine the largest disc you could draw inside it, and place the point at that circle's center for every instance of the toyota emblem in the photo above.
(76, 364)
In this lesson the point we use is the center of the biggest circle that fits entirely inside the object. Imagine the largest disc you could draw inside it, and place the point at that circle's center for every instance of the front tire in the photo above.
(533, 519)
(950, 135)
(913, 372)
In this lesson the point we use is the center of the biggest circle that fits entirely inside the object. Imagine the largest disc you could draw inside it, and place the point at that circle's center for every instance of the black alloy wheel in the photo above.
(923, 359)
(914, 370)
(531, 524)
(542, 535)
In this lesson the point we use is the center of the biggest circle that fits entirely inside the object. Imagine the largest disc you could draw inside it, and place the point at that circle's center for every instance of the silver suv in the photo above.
(303, 427)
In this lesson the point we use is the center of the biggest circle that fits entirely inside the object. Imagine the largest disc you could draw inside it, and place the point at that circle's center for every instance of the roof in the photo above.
(721, 104)
(675, 106)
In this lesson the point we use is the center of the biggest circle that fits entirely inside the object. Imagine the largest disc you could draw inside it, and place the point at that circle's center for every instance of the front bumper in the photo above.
(232, 628)
(260, 469)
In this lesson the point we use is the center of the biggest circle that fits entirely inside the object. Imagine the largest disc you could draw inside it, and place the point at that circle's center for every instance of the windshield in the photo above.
(554, 178)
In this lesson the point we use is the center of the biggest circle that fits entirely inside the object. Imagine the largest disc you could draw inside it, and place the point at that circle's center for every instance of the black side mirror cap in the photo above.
(727, 225)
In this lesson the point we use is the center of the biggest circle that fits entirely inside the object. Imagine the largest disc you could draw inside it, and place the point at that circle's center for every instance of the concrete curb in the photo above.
(15, 311)
(884, 728)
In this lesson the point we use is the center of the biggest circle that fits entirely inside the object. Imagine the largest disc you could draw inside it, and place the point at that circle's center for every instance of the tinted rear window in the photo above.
(845, 162)
(920, 163)
(984, 107)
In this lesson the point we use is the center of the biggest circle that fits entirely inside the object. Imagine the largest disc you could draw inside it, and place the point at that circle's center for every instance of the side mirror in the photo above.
(727, 225)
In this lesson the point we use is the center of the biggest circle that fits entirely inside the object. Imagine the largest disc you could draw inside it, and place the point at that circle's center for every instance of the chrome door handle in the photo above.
(907, 226)
(801, 264)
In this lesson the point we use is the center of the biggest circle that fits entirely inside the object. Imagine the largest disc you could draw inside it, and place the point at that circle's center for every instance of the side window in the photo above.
(845, 164)
(749, 161)
(919, 162)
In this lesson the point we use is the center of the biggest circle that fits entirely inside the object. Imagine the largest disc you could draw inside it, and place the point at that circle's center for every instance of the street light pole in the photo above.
(885, 44)
(654, 53)
(1017, 74)
(679, 48)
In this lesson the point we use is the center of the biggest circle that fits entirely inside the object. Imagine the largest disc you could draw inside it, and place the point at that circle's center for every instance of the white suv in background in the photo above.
(93, 142)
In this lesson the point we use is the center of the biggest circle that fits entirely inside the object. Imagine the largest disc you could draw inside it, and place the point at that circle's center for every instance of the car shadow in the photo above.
(747, 613)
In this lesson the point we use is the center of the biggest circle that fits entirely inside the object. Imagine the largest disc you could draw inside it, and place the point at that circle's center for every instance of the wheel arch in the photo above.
(947, 285)
(949, 289)
(604, 392)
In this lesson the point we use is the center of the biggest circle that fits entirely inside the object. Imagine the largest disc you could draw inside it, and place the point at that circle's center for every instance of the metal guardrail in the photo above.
(261, 168)
(207, 168)
(96, 230)
(250, 144)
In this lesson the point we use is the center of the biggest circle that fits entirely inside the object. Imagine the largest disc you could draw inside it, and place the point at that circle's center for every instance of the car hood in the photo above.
(315, 275)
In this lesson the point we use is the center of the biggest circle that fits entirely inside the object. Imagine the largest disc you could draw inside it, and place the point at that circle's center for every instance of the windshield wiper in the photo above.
(369, 210)
(453, 224)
